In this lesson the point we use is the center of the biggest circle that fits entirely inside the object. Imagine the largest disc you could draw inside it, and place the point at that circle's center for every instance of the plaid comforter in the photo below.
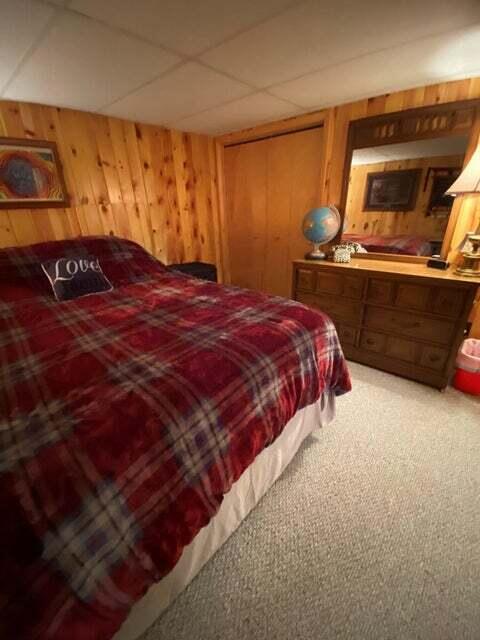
(124, 419)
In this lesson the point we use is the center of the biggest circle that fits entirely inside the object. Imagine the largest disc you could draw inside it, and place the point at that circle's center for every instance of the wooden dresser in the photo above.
(400, 317)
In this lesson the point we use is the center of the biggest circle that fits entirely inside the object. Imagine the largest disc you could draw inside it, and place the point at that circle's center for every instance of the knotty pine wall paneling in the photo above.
(414, 222)
(465, 213)
(152, 185)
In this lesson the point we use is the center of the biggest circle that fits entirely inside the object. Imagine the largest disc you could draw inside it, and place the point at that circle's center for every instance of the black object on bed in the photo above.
(201, 270)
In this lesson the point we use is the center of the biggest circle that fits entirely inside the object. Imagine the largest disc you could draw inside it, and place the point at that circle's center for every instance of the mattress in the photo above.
(244, 495)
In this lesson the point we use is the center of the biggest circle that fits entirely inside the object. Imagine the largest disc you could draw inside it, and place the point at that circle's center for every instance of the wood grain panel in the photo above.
(336, 120)
(305, 280)
(465, 213)
(269, 186)
(151, 185)
(246, 212)
(414, 222)
(339, 308)
(409, 324)
(398, 332)
(416, 297)
(433, 357)
(475, 318)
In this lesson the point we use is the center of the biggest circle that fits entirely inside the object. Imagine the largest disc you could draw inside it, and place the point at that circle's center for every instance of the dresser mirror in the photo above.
(398, 167)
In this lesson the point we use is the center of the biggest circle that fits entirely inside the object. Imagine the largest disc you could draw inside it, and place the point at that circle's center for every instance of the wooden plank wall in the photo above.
(414, 222)
(269, 185)
(466, 210)
(336, 120)
(152, 185)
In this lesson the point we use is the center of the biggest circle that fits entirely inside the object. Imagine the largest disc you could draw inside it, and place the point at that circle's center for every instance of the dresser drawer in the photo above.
(380, 291)
(330, 283)
(341, 309)
(412, 296)
(401, 349)
(305, 279)
(390, 346)
(408, 324)
(372, 341)
(448, 302)
(433, 358)
(340, 284)
(408, 320)
(346, 334)
(353, 287)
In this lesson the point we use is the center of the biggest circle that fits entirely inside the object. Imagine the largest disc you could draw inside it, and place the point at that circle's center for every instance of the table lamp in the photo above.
(469, 182)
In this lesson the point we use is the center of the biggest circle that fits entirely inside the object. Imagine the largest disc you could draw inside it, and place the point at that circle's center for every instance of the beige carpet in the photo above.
(373, 532)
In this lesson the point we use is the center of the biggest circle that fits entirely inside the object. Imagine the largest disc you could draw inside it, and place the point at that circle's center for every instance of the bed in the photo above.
(137, 428)
(406, 245)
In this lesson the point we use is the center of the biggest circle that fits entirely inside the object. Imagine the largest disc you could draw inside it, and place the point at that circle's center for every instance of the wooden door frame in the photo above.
(296, 124)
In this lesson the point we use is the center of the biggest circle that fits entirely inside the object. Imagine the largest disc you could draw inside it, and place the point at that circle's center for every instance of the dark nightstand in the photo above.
(201, 270)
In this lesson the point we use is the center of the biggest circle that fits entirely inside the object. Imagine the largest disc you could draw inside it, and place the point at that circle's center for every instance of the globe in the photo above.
(320, 225)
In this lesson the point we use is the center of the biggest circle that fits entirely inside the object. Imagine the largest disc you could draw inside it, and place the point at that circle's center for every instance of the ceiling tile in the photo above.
(315, 34)
(453, 55)
(186, 90)
(21, 23)
(82, 64)
(249, 111)
(185, 26)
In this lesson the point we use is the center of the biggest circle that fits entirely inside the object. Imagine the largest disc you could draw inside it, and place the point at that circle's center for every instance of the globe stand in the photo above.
(316, 254)
(320, 226)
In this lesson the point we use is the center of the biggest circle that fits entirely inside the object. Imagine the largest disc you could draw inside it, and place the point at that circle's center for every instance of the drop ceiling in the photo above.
(432, 148)
(213, 66)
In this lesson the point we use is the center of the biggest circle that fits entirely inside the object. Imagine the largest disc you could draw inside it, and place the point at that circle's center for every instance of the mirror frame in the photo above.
(421, 123)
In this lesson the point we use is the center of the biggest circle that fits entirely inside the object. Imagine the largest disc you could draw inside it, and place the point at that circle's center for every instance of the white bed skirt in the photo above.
(252, 485)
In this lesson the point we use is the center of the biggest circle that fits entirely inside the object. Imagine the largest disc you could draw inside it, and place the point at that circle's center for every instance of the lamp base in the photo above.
(470, 266)
(472, 273)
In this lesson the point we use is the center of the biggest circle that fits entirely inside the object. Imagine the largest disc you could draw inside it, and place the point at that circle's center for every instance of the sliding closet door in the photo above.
(269, 186)
(246, 211)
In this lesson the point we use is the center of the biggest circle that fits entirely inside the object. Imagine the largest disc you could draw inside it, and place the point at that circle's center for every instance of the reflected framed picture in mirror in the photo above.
(397, 169)
(391, 190)
(442, 178)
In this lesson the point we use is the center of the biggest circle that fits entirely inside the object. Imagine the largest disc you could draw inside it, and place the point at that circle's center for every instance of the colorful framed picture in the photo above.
(392, 190)
(31, 175)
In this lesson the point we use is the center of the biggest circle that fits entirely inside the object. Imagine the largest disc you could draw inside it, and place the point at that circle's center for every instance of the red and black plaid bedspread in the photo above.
(406, 245)
(125, 418)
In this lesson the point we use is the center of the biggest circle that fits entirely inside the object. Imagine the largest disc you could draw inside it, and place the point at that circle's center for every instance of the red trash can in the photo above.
(467, 374)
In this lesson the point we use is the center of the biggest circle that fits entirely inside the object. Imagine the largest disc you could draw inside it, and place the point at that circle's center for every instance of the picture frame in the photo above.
(441, 179)
(391, 190)
(31, 175)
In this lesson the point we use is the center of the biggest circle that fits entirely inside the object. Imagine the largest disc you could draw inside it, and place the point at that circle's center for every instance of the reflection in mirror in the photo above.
(396, 202)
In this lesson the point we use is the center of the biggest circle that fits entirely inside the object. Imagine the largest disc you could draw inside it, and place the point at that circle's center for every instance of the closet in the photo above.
(269, 186)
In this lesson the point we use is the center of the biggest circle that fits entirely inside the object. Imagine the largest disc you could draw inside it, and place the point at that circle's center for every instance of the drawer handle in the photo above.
(370, 341)
(434, 358)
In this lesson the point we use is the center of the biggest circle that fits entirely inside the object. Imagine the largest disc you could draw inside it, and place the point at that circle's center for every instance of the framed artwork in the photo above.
(31, 175)
(442, 178)
(392, 190)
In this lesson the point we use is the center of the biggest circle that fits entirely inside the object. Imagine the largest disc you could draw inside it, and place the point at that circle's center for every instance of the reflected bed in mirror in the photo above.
(395, 200)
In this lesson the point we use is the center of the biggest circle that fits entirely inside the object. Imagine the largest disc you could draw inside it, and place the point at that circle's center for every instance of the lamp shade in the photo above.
(469, 180)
